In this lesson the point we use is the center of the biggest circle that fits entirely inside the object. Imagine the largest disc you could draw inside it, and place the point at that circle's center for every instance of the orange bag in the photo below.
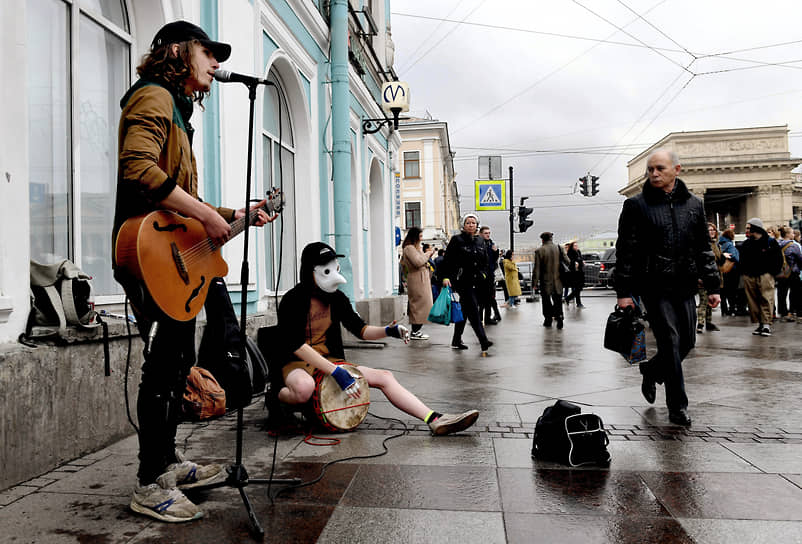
(203, 397)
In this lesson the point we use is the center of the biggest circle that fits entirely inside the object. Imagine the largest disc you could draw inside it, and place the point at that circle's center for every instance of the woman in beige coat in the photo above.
(511, 278)
(419, 281)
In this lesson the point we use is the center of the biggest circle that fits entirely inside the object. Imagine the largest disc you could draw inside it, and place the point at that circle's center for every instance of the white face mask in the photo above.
(327, 276)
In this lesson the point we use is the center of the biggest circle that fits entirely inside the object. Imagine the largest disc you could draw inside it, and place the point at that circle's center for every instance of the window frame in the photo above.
(407, 224)
(76, 10)
(416, 162)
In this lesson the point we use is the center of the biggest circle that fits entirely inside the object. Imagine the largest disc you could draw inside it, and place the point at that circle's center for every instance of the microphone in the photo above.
(225, 76)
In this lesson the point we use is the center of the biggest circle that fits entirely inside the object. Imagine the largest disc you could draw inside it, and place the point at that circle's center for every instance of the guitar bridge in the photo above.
(179, 263)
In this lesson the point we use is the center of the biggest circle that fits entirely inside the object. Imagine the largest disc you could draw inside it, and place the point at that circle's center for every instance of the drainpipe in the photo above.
(341, 135)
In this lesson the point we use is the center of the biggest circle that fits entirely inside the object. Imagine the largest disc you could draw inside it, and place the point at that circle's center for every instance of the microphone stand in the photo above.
(237, 474)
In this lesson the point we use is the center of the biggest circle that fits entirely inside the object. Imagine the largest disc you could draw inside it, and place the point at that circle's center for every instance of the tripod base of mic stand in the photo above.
(238, 478)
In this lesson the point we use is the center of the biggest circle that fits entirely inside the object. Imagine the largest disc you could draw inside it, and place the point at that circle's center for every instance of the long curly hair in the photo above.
(160, 65)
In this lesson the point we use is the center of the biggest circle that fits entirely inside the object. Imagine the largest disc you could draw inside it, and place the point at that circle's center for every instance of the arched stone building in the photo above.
(740, 173)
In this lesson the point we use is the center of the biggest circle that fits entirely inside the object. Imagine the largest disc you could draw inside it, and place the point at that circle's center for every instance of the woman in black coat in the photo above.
(465, 267)
(576, 275)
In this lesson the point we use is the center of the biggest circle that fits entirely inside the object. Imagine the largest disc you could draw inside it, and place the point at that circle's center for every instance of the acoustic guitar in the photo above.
(175, 258)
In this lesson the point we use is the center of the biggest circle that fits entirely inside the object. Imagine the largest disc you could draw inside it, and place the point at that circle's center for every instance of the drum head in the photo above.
(335, 410)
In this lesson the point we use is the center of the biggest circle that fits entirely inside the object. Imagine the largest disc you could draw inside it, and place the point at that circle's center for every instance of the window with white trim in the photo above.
(79, 66)
(278, 140)
(411, 164)
(412, 214)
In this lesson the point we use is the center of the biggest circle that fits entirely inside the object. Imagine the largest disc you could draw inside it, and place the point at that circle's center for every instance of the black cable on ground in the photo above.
(327, 465)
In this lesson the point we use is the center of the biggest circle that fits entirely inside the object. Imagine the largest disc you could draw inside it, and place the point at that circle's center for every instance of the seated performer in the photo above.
(309, 319)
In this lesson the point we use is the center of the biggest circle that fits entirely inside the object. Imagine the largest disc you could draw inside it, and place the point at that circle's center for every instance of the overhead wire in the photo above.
(541, 80)
(539, 32)
(408, 68)
(420, 46)
(656, 50)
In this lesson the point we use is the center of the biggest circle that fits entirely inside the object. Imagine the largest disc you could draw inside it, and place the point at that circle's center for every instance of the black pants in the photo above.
(552, 305)
(729, 293)
(489, 306)
(164, 378)
(470, 310)
(576, 293)
(673, 322)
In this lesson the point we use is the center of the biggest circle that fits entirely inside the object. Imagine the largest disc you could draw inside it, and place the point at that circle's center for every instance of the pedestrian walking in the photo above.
(761, 260)
(547, 274)
(419, 282)
(663, 248)
(465, 267)
(788, 287)
(704, 313)
(489, 304)
(576, 274)
(730, 272)
(511, 277)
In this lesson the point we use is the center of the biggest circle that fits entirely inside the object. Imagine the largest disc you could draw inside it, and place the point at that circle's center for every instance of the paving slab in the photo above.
(734, 476)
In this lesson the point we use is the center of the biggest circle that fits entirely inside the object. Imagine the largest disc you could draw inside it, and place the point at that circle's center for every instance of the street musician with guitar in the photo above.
(158, 207)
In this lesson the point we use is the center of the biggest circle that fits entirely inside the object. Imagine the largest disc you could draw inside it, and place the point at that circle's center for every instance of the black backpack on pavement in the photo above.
(564, 435)
(220, 350)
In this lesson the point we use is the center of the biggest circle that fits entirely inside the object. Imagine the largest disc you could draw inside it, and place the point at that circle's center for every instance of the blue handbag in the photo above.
(456, 310)
(441, 309)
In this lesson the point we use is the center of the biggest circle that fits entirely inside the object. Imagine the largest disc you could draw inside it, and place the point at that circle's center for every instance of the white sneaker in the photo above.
(189, 475)
(453, 423)
(417, 335)
(163, 501)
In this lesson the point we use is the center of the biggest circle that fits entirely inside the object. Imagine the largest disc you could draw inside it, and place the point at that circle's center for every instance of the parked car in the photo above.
(592, 268)
(524, 276)
(606, 268)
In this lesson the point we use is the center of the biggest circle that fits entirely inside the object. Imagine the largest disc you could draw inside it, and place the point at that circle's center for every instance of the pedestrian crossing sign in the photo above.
(490, 195)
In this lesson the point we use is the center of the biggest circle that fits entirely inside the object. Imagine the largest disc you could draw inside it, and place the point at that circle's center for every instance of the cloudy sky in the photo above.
(562, 87)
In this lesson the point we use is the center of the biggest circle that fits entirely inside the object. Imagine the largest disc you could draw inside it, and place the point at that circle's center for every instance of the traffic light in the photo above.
(523, 212)
(583, 186)
(594, 188)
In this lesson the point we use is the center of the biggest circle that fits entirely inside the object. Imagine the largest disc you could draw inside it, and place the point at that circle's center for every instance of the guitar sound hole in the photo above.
(169, 228)
(194, 294)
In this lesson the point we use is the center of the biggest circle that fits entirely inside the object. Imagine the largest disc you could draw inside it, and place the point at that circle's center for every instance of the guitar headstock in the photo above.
(275, 201)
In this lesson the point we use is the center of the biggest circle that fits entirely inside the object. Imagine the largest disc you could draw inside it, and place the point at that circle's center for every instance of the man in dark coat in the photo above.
(662, 252)
(489, 304)
(547, 274)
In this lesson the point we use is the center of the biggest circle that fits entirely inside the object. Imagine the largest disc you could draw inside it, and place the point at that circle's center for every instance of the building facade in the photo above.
(72, 61)
(67, 64)
(428, 197)
(739, 173)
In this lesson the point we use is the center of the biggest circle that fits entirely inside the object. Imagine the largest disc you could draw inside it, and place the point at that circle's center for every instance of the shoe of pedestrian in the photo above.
(789, 318)
(547, 322)
(758, 330)
(459, 345)
(490, 322)
(580, 305)
(559, 323)
(711, 327)
(189, 475)
(453, 423)
(765, 331)
(418, 335)
(680, 417)
(162, 500)
(699, 328)
(497, 318)
(487, 346)
(649, 390)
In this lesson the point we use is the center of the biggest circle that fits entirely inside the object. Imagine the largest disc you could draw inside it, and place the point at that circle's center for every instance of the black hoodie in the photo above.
(293, 311)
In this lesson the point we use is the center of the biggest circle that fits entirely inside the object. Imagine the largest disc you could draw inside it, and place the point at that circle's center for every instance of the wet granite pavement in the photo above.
(734, 476)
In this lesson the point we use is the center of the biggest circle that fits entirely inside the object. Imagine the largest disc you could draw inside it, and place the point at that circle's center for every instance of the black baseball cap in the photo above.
(184, 31)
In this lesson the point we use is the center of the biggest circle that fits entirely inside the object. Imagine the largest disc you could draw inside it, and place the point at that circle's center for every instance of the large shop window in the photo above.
(278, 141)
(73, 129)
